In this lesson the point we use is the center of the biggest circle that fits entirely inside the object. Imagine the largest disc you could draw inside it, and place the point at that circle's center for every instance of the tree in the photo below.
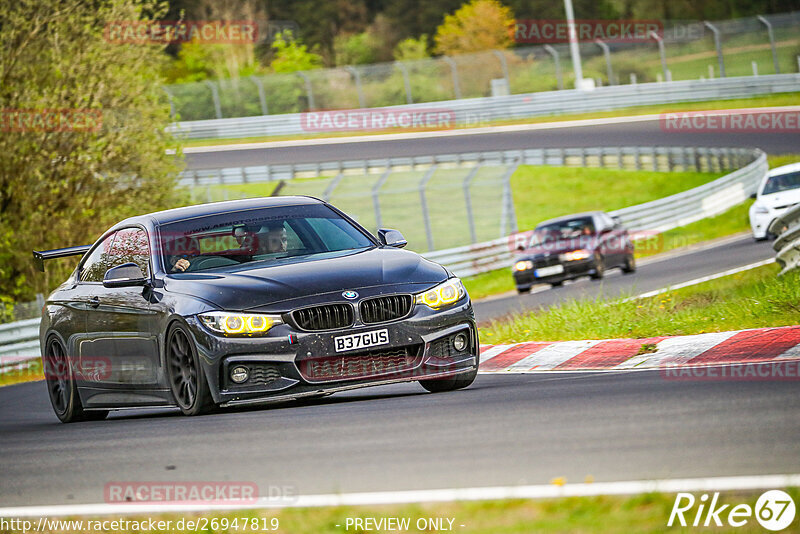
(291, 56)
(476, 26)
(63, 183)
(410, 49)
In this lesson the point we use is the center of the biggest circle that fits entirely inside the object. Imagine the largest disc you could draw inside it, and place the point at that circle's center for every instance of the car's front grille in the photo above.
(545, 261)
(383, 309)
(360, 365)
(325, 317)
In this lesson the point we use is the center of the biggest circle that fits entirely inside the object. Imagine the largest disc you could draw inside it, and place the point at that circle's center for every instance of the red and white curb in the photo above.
(736, 347)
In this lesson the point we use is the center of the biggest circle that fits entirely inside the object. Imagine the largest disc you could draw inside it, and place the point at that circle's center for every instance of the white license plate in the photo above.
(362, 340)
(548, 271)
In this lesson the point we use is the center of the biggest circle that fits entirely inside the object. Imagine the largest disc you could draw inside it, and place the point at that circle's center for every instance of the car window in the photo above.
(130, 246)
(782, 182)
(257, 235)
(98, 262)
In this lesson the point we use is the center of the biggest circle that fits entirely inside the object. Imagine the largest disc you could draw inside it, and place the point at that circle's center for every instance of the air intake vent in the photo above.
(327, 317)
(383, 309)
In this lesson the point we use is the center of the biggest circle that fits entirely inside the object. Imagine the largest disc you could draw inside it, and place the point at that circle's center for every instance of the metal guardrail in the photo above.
(19, 341)
(660, 215)
(787, 245)
(476, 111)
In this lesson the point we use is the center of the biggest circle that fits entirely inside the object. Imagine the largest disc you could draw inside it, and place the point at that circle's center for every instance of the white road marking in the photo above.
(552, 356)
(542, 491)
(677, 350)
(700, 280)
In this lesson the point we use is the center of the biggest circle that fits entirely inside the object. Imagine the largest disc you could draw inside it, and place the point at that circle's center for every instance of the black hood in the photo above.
(375, 270)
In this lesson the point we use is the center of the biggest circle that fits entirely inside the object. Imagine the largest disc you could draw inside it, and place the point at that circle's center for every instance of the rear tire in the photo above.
(187, 379)
(522, 291)
(630, 265)
(62, 387)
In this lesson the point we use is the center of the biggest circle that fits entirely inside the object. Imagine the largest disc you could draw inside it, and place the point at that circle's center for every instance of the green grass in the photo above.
(751, 299)
(783, 99)
(644, 513)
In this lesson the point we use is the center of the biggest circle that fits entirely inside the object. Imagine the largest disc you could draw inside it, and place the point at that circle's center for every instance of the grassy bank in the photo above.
(784, 99)
(751, 299)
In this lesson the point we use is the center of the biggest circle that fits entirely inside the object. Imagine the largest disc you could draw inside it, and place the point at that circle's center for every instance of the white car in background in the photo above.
(778, 191)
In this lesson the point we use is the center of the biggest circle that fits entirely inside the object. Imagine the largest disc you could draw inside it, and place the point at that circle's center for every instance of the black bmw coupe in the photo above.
(246, 302)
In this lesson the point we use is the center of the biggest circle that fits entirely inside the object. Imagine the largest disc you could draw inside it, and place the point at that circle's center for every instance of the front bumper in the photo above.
(288, 363)
(572, 269)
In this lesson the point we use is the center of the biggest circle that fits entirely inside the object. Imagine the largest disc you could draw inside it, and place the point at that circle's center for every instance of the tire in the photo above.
(630, 265)
(62, 388)
(187, 379)
(459, 381)
(557, 284)
(522, 291)
(599, 267)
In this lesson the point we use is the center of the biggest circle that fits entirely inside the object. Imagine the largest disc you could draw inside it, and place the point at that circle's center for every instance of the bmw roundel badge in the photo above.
(350, 295)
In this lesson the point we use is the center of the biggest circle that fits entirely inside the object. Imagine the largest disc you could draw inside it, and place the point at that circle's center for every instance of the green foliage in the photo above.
(355, 49)
(292, 56)
(476, 26)
(410, 48)
(65, 186)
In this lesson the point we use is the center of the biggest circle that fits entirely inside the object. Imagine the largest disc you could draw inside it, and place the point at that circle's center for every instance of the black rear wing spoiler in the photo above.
(40, 255)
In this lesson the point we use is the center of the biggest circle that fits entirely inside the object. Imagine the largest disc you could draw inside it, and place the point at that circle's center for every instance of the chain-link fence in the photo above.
(436, 202)
(688, 50)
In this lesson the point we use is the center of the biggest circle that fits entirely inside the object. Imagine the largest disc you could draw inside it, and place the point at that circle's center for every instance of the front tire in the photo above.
(599, 267)
(62, 388)
(459, 381)
(630, 265)
(187, 379)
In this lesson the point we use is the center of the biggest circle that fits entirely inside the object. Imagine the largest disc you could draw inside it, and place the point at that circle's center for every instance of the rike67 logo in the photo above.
(774, 510)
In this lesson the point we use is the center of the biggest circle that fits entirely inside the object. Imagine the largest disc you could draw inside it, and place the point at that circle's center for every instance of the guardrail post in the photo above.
(406, 80)
(357, 78)
(767, 23)
(424, 205)
(637, 158)
(755, 68)
(662, 53)
(454, 72)
(376, 201)
(553, 52)
(473, 236)
(309, 92)
(718, 44)
(504, 66)
(607, 54)
(262, 96)
(508, 218)
(215, 97)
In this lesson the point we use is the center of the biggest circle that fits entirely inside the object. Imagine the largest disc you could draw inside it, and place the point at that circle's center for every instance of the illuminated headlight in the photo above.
(760, 210)
(239, 324)
(581, 254)
(444, 294)
(523, 265)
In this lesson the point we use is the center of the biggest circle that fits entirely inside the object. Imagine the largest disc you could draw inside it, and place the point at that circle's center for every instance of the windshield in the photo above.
(782, 182)
(564, 230)
(258, 235)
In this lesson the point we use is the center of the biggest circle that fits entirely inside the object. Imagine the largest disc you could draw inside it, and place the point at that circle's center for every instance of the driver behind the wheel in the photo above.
(274, 239)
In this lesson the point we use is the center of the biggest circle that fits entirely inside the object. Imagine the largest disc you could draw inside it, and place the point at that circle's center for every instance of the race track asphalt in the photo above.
(648, 133)
(503, 430)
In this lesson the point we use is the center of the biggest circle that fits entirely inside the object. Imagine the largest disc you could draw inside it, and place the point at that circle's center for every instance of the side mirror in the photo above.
(391, 238)
(754, 195)
(125, 275)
